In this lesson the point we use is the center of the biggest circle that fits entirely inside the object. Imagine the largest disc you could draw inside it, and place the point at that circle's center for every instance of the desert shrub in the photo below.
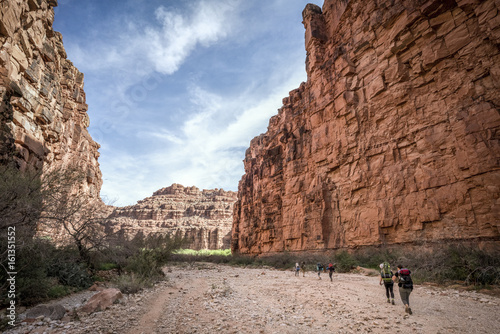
(204, 255)
(145, 264)
(71, 274)
(280, 261)
(106, 266)
(372, 257)
(32, 281)
(132, 283)
(454, 262)
(204, 252)
(57, 291)
(141, 255)
(241, 260)
(344, 261)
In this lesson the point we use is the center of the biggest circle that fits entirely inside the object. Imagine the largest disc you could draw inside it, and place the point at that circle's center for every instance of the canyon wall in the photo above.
(43, 114)
(393, 139)
(204, 218)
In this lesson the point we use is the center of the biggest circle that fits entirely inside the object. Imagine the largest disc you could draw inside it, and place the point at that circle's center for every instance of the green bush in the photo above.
(462, 263)
(145, 264)
(70, 274)
(372, 257)
(32, 282)
(344, 262)
(58, 291)
(132, 283)
(204, 252)
(241, 260)
(107, 266)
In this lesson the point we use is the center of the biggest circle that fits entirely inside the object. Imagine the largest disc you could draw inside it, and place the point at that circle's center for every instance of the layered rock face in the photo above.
(394, 138)
(43, 114)
(203, 217)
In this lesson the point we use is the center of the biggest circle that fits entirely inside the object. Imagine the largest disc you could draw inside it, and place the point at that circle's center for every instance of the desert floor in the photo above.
(211, 298)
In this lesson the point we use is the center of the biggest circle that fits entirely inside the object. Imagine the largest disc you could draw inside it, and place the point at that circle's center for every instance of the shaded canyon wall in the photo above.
(43, 114)
(394, 138)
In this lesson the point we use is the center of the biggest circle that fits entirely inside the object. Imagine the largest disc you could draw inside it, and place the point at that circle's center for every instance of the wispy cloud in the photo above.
(139, 48)
(177, 90)
(208, 150)
(169, 46)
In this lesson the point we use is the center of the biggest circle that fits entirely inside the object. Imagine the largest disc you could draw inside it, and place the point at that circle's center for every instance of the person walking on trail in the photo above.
(319, 267)
(297, 269)
(405, 284)
(386, 278)
(330, 269)
(303, 268)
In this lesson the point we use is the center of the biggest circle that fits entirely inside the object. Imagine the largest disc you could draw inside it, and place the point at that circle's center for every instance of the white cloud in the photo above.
(163, 135)
(139, 48)
(162, 119)
(171, 45)
(206, 153)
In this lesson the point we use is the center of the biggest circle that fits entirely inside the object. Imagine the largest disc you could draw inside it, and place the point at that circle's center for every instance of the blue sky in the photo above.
(177, 89)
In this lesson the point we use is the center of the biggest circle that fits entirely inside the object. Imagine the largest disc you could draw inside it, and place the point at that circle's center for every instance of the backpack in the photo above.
(405, 280)
(386, 273)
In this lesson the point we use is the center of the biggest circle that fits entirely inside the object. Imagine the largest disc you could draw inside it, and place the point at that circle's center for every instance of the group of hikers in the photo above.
(387, 278)
(319, 268)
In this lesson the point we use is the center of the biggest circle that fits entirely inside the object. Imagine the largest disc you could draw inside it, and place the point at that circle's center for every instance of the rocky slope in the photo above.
(394, 138)
(43, 114)
(203, 217)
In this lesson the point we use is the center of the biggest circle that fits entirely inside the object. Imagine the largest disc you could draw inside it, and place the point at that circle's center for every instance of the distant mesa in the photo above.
(203, 217)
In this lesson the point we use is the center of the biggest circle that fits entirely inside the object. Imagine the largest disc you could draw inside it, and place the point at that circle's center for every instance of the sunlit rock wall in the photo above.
(394, 138)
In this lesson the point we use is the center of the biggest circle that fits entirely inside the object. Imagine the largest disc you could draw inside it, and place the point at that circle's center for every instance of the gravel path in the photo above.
(209, 298)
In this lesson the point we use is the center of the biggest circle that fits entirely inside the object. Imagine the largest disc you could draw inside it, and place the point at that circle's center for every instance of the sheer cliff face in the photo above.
(394, 138)
(43, 114)
(203, 217)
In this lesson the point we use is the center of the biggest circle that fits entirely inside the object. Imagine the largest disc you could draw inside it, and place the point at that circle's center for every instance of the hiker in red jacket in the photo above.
(405, 283)
(330, 269)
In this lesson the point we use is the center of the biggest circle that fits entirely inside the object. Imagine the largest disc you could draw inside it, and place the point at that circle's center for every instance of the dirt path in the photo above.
(208, 298)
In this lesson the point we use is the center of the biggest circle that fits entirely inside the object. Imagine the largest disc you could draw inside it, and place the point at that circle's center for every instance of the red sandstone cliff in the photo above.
(43, 114)
(394, 138)
(203, 217)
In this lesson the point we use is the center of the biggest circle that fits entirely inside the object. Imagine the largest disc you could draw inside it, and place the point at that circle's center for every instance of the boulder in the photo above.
(54, 312)
(102, 300)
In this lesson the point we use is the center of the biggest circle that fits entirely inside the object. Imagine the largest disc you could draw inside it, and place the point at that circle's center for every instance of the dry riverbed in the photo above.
(210, 298)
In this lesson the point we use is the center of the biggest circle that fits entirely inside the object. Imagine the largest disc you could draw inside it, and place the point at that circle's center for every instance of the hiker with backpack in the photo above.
(405, 284)
(319, 267)
(330, 269)
(386, 278)
(297, 269)
(303, 268)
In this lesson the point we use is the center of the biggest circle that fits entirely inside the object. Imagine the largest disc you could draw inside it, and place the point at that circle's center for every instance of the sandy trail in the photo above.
(210, 298)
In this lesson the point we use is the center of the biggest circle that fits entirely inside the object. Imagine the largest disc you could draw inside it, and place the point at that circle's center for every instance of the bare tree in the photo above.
(69, 217)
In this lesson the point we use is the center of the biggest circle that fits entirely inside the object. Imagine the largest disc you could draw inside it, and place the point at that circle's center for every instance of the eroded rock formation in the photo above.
(203, 217)
(394, 138)
(43, 114)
